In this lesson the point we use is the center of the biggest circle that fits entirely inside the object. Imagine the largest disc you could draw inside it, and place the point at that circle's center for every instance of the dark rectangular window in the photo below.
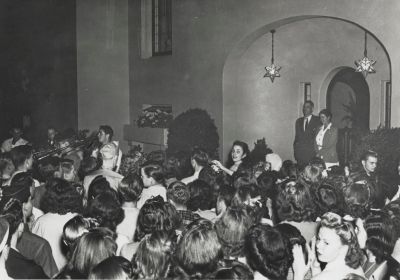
(162, 27)
(388, 102)
(307, 91)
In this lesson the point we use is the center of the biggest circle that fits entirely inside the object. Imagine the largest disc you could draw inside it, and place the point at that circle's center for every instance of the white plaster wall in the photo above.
(308, 51)
(103, 65)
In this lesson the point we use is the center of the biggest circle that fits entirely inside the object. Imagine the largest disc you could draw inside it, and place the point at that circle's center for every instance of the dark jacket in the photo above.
(304, 140)
(328, 151)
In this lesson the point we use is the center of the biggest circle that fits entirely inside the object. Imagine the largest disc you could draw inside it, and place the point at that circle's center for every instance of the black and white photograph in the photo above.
(200, 139)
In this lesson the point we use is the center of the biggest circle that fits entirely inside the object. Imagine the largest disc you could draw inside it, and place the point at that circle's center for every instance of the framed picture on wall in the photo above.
(155, 115)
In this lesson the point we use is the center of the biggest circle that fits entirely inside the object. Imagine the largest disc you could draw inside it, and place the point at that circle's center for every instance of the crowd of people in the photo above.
(77, 217)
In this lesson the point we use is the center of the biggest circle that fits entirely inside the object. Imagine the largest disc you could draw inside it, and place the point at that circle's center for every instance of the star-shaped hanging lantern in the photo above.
(272, 72)
(365, 66)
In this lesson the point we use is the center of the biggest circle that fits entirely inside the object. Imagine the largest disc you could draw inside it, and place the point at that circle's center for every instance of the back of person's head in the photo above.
(61, 197)
(294, 236)
(107, 131)
(98, 186)
(153, 217)
(67, 170)
(112, 268)
(231, 229)
(107, 210)
(12, 212)
(88, 165)
(130, 188)
(243, 177)
(268, 252)
(20, 154)
(171, 167)
(289, 169)
(155, 171)
(198, 251)
(225, 196)
(153, 256)
(245, 193)
(48, 168)
(312, 174)
(157, 157)
(20, 189)
(357, 199)
(73, 229)
(200, 194)
(267, 185)
(317, 162)
(235, 270)
(92, 248)
(294, 202)
(178, 193)
(328, 198)
(200, 156)
(7, 167)
(381, 235)
(392, 209)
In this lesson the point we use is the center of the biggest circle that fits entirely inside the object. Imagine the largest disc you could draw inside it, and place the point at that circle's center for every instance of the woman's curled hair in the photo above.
(268, 252)
(61, 197)
(346, 232)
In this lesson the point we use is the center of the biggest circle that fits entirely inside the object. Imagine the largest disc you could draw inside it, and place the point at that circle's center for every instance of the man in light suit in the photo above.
(306, 129)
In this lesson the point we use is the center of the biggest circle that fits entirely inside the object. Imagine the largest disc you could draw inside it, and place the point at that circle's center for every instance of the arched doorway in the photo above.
(348, 99)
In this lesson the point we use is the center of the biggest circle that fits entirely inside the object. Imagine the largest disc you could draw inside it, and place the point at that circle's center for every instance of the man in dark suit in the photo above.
(306, 129)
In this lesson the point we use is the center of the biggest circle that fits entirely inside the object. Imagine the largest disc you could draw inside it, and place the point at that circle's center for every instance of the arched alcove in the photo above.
(348, 98)
(307, 48)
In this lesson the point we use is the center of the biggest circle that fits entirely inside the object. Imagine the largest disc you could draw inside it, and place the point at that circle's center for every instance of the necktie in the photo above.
(306, 125)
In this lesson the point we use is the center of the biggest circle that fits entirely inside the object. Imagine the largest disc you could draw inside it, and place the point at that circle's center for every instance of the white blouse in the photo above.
(321, 134)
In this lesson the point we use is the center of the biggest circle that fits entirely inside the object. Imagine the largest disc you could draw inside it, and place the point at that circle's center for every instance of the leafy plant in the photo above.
(384, 141)
(259, 151)
(193, 128)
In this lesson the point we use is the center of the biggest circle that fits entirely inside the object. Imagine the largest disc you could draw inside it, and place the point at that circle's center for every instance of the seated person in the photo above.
(14, 141)
(109, 156)
(178, 195)
(18, 266)
(198, 160)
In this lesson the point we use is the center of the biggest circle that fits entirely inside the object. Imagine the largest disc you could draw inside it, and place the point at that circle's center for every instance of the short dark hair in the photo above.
(200, 196)
(368, 154)
(154, 171)
(328, 197)
(61, 197)
(20, 154)
(178, 193)
(268, 252)
(107, 130)
(130, 188)
(309, 102)
(115, 267)
(107, 210)
(326, 113)
(235, 270)
(200, 156)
